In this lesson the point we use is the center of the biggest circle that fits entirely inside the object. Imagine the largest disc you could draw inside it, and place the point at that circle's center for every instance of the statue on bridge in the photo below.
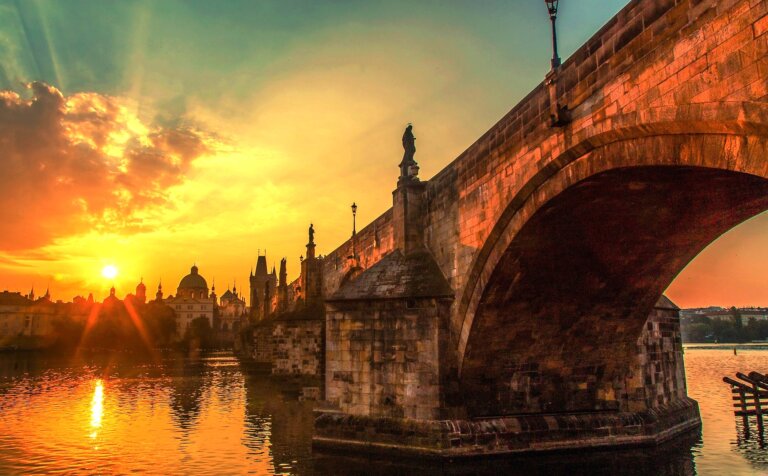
(408, 167)
(311, 233)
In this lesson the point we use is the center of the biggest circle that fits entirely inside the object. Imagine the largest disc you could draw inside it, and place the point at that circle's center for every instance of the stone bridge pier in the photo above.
(514, 302)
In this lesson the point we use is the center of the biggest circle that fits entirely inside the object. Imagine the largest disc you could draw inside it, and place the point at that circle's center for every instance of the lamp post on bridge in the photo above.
(558, 115)
(552, 7)
(353, 258)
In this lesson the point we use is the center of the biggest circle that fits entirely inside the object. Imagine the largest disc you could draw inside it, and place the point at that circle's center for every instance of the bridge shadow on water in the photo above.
(675, 457)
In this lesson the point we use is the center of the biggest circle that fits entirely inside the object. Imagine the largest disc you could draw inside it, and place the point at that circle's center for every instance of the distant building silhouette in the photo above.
(192, 300)
(26, 322)
(232, 311)
(262, 282)
(141, 291)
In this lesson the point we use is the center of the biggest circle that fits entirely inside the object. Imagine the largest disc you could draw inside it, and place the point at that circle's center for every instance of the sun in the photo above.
(109, 271)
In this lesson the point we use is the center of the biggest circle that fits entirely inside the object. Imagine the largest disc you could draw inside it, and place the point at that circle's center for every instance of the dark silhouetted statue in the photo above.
(408, 167)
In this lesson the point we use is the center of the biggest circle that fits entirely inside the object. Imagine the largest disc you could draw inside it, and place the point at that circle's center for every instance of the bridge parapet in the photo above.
(654, 62)
(370, 245)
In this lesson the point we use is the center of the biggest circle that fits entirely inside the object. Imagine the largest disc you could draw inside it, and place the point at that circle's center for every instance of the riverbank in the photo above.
(742, 346)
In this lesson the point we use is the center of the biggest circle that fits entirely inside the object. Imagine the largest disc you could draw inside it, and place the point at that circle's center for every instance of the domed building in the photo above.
(192, 300)
(192, 285)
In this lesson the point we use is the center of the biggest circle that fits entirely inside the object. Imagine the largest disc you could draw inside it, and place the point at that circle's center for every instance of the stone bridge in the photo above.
(514, 301)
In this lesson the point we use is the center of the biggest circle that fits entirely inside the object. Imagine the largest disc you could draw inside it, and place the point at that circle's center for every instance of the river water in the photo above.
(207, 416)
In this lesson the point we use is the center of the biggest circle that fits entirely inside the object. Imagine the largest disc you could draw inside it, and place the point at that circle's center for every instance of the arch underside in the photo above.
(557, 325)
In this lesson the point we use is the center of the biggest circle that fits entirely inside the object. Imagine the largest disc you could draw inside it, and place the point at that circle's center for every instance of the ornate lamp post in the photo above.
(353, 258)
(552, 7)
(558, 114)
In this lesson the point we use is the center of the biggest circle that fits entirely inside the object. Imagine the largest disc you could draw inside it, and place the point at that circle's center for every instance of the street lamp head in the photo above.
(354, 208)
(552, 6)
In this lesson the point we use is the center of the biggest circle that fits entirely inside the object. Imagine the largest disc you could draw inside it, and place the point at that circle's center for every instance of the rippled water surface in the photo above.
(207, 416)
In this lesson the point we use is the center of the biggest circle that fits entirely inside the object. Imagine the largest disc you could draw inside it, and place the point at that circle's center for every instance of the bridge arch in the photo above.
(559, 293)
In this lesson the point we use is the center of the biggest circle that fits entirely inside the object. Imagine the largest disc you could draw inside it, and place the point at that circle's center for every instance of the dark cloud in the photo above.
(72, 164)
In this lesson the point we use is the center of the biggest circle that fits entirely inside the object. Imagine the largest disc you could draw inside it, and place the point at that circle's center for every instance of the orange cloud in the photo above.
(83, 162)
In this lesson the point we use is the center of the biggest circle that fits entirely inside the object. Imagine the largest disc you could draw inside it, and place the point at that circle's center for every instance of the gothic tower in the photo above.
(261, 282)
(141, 291)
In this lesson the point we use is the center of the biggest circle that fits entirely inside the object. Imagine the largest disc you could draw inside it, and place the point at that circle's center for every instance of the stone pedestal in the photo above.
(311, 277)
(408, 215)
(386, 332)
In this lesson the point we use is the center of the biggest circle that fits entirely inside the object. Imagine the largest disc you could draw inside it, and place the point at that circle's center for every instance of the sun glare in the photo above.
(109, 272)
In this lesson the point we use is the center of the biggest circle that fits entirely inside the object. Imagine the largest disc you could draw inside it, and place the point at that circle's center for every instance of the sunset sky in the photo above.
(153, 135)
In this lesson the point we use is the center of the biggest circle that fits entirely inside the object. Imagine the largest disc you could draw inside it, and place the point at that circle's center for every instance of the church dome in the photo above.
(192, 282)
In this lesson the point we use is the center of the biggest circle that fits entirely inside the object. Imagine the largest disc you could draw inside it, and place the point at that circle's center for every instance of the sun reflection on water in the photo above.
(97, 407)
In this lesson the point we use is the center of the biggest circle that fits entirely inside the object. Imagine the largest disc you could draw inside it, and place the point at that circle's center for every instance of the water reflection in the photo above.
(205, 415)
(186, 381)
(750, 443)
(97, 407)
(275, 417)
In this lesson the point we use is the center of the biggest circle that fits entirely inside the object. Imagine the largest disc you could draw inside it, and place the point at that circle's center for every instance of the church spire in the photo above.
(261, 267)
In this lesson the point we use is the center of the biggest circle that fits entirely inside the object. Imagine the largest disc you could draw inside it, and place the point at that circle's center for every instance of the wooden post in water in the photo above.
(761, 385)
(756, 390)
(750, 397)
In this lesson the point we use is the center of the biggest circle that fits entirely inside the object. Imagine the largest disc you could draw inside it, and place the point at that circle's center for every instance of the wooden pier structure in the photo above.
(750, 396)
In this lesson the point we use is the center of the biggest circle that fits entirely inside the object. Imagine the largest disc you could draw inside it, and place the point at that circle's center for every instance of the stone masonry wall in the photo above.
(288, 347)
(261, 352)
(655, 388)
(658, 377)
(298, 347)
(383, 358)
(371, 244)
